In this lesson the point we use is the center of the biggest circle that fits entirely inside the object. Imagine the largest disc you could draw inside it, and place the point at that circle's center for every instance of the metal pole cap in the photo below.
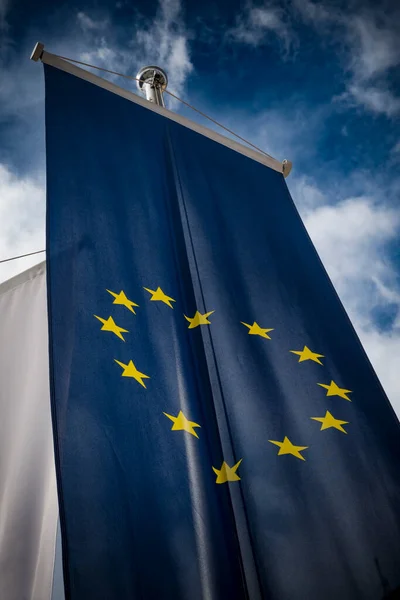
(37, 52)
(152, 75)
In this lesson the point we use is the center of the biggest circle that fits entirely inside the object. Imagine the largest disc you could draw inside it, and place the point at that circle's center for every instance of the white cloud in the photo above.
(373, 50)
(375, 45)
(317, 14)
(22, 208)
(383, 350)
(350, 237)
(308, 197)
(259, 25)
(163, 41)
(368, 43)
(89, 23)
(370, 36)
(374, 98)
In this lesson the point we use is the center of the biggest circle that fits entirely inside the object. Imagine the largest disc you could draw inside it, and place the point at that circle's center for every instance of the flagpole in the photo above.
(152, 81)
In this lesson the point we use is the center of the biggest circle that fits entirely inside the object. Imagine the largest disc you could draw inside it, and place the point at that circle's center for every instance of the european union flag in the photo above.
(220, 433)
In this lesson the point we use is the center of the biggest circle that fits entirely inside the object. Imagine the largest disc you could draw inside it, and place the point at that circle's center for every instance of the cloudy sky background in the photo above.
(318, 84)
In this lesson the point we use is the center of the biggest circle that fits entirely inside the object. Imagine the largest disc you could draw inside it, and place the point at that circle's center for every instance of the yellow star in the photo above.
(181, 423)
(255, 329)
(227, 473)
(122, 299)
(110, 325)
(286, 447)
(160, 296)
(329, 421)
(307, 354)
(199, 319)
(131, 371)
(335, 390)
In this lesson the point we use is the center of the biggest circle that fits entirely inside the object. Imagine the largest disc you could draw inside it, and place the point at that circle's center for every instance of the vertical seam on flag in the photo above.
(209, 342)
(174, 213)
(61, 507)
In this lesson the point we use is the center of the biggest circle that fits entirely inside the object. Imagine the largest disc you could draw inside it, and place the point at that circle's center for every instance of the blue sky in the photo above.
(318, 84)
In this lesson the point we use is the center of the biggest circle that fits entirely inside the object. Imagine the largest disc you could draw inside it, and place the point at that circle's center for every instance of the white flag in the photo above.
(28, 495)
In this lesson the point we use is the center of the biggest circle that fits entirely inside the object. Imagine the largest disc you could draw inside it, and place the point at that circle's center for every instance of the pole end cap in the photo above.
(153, 75)
(37, 52)
(286, 167)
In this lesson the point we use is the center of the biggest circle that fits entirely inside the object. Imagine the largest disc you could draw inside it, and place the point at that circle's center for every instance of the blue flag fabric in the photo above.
(219, 430)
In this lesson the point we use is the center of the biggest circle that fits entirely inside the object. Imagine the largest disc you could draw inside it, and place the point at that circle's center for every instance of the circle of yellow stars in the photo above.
(180, 422)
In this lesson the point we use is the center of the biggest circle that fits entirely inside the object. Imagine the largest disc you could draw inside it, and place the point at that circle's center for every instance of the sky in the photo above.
(316, 83)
